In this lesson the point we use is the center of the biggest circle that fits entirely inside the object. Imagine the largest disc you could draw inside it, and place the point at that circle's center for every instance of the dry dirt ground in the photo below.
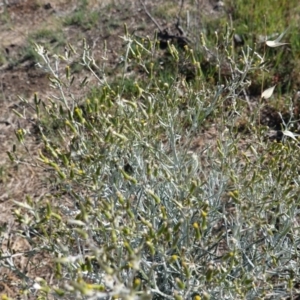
(19, 76)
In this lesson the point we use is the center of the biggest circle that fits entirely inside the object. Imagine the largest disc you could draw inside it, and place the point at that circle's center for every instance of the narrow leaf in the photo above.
(281, 36)
(274, 44)
(290, 134)
(277, 43)
(268, 92)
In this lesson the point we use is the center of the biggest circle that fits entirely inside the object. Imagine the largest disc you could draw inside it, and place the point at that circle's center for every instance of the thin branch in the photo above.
(180, 10)
(149, 15)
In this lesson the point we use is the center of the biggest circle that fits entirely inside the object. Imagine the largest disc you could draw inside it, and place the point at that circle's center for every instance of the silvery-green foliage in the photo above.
(146, 215)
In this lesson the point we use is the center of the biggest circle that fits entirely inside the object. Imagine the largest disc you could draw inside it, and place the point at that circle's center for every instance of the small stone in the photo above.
(48, 6)
(238, 40)
(219, 6)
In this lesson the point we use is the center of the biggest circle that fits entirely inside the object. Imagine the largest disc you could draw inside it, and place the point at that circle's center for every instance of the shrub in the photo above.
(157, 195)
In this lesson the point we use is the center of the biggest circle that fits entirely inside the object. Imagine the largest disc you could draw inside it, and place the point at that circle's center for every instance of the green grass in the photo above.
(167, 198)
(49, 36)
(2, 58)
(255, 20)
(5, 18)
(83, 17)
(51, 39)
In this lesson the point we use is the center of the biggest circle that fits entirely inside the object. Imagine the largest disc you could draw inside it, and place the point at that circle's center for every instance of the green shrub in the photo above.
(157, 195)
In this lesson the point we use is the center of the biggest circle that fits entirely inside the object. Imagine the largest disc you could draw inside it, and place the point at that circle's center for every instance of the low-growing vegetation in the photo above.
(175, 177)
